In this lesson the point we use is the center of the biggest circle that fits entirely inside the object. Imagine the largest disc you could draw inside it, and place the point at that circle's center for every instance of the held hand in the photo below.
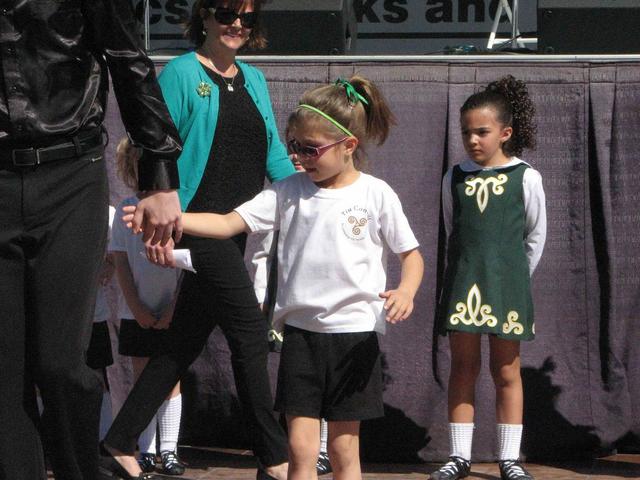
(127, 218)
(399, 305)
(145, 319)
(158, 215)
(159, 254)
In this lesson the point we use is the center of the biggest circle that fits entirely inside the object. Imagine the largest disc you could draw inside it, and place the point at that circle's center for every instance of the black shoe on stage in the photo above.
(513, 470)
(147, 462)
(454, 469)
(323, 464)
(171, 464)
(110, 469)
(262, 475)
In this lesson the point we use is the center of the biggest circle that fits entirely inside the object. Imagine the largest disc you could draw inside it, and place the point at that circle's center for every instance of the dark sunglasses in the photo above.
(226, 16)
(294, 148)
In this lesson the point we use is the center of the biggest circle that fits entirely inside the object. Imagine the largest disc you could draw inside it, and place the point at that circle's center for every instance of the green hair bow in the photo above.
(352, 95)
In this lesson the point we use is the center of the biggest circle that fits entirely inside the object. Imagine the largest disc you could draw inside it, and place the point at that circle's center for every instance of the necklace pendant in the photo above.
(230, 88)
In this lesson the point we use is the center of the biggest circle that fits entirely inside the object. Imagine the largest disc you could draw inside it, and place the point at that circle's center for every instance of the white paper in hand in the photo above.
(182, 258)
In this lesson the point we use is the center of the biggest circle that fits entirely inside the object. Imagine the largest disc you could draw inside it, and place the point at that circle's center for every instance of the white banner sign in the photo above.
(384, 26)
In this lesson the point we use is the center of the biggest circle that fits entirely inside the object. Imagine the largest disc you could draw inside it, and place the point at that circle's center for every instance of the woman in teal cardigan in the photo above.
(225, 119)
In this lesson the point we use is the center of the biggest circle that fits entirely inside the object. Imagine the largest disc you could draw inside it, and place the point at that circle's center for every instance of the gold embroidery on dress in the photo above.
(512, 324)
(358, 224)
(480, 187)
(473, 307)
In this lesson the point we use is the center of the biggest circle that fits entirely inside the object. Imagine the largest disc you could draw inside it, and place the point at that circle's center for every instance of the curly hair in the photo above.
(510, 99)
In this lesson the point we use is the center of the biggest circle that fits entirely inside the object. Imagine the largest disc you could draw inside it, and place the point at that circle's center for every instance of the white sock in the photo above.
(509, 437)
(324, 433)
(147, 439)
(106, 415)
(460, 440)
(169, 416)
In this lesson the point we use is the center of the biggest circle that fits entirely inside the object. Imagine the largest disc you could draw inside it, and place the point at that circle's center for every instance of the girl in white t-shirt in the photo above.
(264, 284)
(149, 292)
(336, 226)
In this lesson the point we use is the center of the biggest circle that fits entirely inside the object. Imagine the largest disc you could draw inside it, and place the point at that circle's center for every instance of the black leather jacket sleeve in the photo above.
(55, 60)
(142, 106)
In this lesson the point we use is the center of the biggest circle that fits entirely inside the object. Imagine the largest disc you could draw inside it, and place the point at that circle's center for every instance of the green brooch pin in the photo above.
(204, 89)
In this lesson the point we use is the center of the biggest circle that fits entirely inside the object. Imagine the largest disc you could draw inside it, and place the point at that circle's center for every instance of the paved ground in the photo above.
(210, 464)
(235, 464)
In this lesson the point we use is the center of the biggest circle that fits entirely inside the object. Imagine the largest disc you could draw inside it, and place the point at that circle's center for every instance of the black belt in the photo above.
(74, 147)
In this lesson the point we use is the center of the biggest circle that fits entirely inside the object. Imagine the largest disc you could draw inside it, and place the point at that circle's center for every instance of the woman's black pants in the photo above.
(221, 293)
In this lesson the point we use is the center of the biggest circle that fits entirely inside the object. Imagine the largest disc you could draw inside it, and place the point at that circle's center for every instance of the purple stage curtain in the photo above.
(582, 372)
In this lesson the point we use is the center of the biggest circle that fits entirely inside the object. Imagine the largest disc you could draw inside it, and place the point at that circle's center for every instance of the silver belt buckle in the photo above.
(27, 162)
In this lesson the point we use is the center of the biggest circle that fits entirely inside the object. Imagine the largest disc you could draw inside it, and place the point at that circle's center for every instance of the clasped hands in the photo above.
(158, 217)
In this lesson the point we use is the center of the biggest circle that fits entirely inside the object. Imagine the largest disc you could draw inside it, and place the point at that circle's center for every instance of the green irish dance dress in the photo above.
(487, 287)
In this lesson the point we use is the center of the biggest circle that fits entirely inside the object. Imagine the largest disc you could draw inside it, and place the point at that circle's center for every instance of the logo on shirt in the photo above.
(354, 222)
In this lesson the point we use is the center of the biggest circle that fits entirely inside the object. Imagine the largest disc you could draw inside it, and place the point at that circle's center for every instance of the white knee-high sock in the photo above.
(169, 416)
(147, 439)
(509, 438)
(324, 433)
(106, 415)
(460, 439)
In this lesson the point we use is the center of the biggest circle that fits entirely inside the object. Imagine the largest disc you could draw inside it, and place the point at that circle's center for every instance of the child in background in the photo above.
(150, 293)
(494, 214)
(265, 280)
(336, 226)
(99, 355)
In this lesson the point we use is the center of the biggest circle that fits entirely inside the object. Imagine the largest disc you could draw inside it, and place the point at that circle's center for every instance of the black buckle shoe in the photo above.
(171, 464)
(147, 462)
(513, 470)
(262, 475)
(110, 469)
(455, 468)
(323, 465)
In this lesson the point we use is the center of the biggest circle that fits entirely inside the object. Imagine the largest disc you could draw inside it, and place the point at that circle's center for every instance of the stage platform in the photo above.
(161, 59)
(211, 463)
(581, 374)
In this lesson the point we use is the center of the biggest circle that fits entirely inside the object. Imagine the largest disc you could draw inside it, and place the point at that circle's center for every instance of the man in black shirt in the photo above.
(54, 56)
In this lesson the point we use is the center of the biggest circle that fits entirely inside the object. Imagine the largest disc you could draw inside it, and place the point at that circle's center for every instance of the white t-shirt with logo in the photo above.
(332, 250)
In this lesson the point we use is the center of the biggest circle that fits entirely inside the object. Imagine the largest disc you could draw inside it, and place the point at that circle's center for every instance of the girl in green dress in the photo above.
(494, 212)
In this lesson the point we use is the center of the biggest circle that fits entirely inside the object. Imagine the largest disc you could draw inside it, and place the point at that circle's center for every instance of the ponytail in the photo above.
(379, 117)
(356, 104)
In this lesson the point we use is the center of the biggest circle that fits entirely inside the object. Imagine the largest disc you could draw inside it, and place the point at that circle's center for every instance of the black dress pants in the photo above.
(221, 293)
(53, 228)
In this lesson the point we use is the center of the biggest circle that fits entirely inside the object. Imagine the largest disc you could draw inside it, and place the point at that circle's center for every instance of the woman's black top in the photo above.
(236, 167)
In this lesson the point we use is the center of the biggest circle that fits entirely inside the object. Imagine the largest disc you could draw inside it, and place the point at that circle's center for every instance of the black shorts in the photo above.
(99, 353)
(135, 341)
(335, 376)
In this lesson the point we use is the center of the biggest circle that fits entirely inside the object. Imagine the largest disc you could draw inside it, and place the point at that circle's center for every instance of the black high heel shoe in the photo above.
(262, 475)
(110, 469)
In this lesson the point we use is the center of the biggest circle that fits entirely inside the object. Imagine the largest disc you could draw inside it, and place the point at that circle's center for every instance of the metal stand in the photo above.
(147, 25)
(516, 41)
